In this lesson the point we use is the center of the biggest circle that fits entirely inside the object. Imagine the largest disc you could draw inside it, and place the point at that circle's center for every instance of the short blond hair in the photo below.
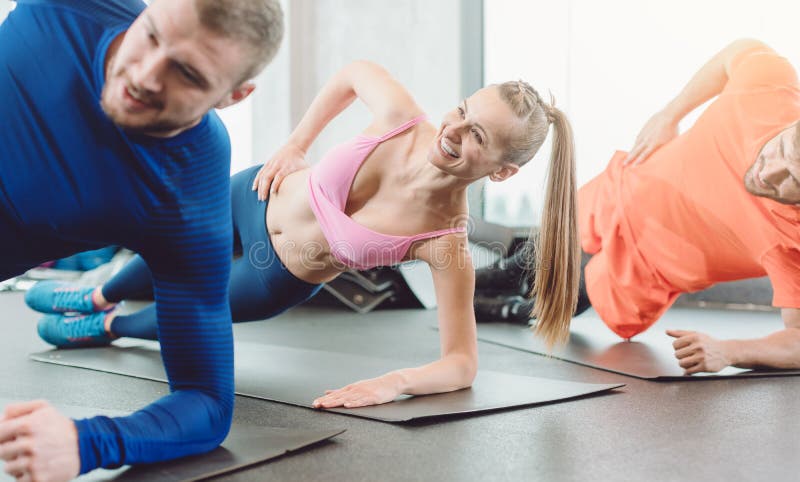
(256, 23)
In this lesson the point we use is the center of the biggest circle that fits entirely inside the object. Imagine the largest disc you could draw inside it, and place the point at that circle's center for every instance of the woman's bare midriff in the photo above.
(295, 233)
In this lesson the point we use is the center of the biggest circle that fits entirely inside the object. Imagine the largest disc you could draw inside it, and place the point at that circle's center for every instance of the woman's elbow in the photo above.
(363, 68)
(468, 365)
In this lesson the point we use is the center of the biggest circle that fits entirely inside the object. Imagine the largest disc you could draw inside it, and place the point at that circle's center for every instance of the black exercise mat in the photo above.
(245, 445)
(298, 376)
(648, 355)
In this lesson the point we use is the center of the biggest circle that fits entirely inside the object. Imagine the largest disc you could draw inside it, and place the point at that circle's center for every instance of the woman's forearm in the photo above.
(364, 80)
(335, 96)
(447, 374)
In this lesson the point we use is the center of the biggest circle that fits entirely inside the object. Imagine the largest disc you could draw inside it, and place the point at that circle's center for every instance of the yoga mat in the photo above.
(648, 355)
(245, 445)
(297, 377)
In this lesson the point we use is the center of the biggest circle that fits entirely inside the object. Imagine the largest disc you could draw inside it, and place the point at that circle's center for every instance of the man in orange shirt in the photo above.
(716, 203)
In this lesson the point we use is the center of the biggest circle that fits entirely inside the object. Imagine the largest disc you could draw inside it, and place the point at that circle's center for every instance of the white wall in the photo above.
(416, 40)
(5, 7)
(611, 65)
(271, 119)
(238, 121)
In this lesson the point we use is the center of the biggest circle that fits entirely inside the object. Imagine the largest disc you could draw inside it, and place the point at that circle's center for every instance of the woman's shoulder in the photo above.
(447, 233)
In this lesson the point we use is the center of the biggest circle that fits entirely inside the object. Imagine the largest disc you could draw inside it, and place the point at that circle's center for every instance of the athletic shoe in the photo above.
(77, 331)
(60, 297)
(510, 309)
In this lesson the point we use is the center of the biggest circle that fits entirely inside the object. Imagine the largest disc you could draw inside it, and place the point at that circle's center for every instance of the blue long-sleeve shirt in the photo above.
(71, 180)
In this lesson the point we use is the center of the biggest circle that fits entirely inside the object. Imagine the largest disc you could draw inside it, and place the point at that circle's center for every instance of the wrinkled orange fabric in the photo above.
(682, 220)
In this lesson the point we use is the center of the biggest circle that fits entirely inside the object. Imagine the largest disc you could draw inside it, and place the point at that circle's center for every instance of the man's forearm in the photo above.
(708, 81)
(778, 350)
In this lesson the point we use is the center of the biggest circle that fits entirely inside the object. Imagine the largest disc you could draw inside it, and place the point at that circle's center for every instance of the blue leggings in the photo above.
(260, 285)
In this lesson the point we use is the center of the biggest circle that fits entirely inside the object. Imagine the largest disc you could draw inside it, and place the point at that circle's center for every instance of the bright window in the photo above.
(611, 65)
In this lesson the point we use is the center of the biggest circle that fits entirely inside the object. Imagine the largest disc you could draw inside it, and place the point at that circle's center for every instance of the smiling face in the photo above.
(776, 172)
(473, 138)
(167, 71)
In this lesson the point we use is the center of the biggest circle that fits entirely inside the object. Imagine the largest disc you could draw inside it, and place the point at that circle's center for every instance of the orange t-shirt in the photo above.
(682, 220)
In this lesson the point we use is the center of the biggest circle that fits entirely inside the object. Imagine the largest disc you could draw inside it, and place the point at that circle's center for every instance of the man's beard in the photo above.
(116, 116)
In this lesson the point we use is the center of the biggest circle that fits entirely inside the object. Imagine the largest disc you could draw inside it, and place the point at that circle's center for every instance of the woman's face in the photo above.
(473, 138)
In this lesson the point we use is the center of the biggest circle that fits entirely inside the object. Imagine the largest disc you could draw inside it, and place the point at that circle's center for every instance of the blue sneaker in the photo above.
(60, 297)
(77, 331)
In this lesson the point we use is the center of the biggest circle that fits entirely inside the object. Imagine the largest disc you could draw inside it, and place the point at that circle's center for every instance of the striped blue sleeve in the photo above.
(196, 339)
(197, 348)
(188, 250)
(195, 333)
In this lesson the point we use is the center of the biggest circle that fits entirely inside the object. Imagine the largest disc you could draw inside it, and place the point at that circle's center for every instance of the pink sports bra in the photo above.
(329, 184)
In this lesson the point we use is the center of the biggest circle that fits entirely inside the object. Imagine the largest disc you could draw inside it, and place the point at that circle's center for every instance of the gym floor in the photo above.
(729, 429)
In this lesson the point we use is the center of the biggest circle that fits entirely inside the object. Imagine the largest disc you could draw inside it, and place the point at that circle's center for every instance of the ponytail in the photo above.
(557, 251)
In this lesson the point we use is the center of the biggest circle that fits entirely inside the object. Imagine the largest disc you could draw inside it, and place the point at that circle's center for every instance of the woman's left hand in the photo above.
(374, 391)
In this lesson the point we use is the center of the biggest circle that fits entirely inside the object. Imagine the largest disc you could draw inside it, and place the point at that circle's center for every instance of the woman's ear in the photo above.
(504, 172)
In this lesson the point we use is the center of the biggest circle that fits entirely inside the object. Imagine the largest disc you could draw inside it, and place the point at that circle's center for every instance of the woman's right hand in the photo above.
(659, 130)
(288, 159)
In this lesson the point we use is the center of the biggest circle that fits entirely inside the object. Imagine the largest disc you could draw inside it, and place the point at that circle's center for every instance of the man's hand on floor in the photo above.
(697, 352)
(38, 443)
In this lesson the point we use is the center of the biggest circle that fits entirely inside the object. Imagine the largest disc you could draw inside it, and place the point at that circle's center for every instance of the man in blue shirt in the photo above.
(107, 137)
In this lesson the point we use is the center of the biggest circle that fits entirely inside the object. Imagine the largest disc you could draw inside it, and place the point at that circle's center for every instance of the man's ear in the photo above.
(504, 172)
(236, 95)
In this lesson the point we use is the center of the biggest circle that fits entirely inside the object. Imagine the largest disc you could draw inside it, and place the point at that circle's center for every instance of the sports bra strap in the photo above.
(434, 234)
(403, 127)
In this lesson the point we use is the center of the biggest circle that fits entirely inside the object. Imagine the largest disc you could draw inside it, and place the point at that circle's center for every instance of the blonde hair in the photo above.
(557, 251)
